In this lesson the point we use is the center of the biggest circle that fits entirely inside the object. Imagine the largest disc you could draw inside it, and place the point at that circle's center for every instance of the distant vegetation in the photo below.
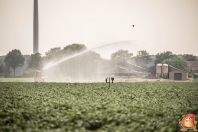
(177, 62)
(190, 57)
(14, 59)
(86, 64)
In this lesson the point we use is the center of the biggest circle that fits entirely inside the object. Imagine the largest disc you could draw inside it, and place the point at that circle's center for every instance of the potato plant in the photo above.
(81, 107)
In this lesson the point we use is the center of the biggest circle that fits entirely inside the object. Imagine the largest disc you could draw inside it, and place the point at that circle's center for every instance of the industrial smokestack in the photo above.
(35, 28)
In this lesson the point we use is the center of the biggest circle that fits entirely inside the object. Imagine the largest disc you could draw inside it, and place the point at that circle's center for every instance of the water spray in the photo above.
(136, 65)
(75, 55)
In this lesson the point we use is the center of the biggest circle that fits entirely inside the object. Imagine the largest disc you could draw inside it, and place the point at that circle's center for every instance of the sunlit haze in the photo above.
(165, 25)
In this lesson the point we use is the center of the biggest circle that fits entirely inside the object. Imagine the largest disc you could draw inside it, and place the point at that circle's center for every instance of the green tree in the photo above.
(152, 69)
(74, 48)
(79, 67)
(192, 73)
(121, 55)
(35, 61)
(189, 57)
(6, 70)
(142, 58)
(1, 70)
(177, 62)
(54, 54)
(14, 59)
(163, 56)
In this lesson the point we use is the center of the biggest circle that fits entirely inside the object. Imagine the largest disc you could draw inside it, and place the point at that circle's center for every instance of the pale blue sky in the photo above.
(161, 25)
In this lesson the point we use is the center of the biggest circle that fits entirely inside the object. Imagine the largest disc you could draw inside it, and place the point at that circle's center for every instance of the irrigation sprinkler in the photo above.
(110, 79)
(38, 77)
(109, 82)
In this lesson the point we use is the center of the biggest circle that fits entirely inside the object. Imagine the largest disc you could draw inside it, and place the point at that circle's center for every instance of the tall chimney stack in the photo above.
(35, 28)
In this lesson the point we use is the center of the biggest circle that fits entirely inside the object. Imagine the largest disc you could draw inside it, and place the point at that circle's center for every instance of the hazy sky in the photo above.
(160, 25)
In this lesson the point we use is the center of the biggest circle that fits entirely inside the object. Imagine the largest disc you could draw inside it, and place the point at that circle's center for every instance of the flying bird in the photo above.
(133, 25)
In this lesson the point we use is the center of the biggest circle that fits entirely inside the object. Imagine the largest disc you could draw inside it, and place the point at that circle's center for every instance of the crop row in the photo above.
(140, 106)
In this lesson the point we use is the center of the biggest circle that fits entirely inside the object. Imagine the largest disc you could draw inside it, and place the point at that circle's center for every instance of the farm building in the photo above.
(193, 65)
(169, 72)
(121, 71)
(152, 75)
(177, 74)
(162, 71)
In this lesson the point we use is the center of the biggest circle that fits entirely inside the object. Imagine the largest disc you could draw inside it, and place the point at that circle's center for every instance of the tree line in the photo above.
(90, 62)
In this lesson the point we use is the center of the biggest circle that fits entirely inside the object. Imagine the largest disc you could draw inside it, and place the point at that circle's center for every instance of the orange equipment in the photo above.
(38, 76)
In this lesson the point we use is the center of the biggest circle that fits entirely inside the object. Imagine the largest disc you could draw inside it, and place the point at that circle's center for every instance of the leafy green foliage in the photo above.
(163, 56)
(142, 58)
(189, 57)
(152, 69)
(74, 48)
(192, 73)
(14, 59)
(121, 57)
(5, 70)
(35, 61)
(82, 66)
(1, 70)
(28, 73)
(177, 62)
(144, 106)
(54, 54)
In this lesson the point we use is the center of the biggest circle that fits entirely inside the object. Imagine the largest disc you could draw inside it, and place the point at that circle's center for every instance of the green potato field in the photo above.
(81, 107)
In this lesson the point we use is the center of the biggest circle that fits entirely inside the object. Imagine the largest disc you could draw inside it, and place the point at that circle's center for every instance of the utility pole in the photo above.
(35, 28)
